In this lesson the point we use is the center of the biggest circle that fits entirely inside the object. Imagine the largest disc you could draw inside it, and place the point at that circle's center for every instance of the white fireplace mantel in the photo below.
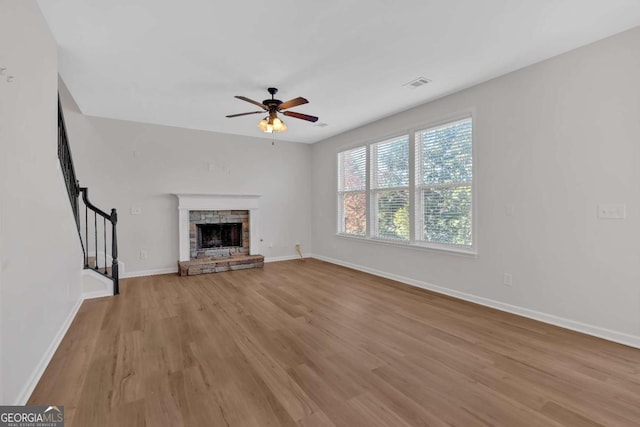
(216, 202)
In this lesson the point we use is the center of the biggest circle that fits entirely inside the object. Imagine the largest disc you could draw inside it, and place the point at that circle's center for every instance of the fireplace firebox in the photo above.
(219, 235)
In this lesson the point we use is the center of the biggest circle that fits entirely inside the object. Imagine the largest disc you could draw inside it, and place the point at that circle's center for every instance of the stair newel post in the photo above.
(86, 231)
(104, 240)
(95, 239)
(114, 253)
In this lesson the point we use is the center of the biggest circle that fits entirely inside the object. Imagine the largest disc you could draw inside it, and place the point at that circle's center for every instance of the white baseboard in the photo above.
(282, 258)
(97, 294)
(154, 272)
(170, 270)
(28, 388)
(596, 331)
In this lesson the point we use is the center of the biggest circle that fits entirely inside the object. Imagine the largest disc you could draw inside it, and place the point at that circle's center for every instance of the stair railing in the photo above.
(94, 262)
(89, 241)
(66, 164)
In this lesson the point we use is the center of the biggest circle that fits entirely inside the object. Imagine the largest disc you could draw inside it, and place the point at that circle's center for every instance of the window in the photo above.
(444, 183)
(390, 188)
(414, 189)
(352, 190)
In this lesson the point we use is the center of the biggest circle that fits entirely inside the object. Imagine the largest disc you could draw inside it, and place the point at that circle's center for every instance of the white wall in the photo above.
(39, 269)
(554, 140)
(127, 164)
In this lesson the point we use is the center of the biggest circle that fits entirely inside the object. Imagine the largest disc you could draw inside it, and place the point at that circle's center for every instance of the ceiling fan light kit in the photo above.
(272, 123)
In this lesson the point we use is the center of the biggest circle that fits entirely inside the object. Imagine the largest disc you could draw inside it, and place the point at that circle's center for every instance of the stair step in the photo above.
(91, 262)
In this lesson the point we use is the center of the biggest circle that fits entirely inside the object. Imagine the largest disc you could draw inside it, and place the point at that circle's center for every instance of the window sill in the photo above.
(473, 252)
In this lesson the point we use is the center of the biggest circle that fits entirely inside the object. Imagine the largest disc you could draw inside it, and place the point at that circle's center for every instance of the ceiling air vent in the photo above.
(420, 81)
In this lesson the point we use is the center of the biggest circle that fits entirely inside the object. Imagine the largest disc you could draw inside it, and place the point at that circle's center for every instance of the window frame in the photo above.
(414, 188)
(419, 187)
(372, 212)
(342, 193)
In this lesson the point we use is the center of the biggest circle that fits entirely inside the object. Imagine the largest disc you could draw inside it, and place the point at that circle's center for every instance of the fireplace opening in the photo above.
(219, 235)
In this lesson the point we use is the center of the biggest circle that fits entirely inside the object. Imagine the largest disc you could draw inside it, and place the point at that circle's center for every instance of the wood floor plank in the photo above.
(567, 416)
(287, 392)
(317, 419)
(308, 343)
(129, 369)
(127, 415)
(199, 403)
(375, 413)
(164, 406)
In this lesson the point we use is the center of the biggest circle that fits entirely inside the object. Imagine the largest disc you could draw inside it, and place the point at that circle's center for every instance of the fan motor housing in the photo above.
(272, 103)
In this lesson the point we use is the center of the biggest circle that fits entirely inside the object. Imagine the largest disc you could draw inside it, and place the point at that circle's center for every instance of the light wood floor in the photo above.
(309, 343)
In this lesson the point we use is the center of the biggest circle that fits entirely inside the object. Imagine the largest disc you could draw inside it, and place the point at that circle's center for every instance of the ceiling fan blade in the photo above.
(300, 116)
(259, 104)
(244, 114)
(293, 103)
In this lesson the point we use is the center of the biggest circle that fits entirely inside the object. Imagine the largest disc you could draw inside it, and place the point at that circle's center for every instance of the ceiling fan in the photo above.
(272, 123)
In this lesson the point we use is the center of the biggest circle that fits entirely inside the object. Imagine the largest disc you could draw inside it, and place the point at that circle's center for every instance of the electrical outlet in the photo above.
(610, 211)
(136, 210)
(144, 254)
(507, 279)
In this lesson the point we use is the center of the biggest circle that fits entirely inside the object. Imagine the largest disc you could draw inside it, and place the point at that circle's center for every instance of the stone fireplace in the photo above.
(217, 233)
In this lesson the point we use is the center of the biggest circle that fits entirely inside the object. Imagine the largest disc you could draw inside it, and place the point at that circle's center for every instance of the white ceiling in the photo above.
(180, 63)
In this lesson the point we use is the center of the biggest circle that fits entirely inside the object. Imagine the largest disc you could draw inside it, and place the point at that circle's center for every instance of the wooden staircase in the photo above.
(96, 228)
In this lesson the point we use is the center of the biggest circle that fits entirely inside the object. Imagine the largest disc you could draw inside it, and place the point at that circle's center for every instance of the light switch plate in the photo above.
(507, 279)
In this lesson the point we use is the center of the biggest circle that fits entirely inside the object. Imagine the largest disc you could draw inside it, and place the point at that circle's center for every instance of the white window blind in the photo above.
(390, 188)
(444, 184)
(352, 194)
